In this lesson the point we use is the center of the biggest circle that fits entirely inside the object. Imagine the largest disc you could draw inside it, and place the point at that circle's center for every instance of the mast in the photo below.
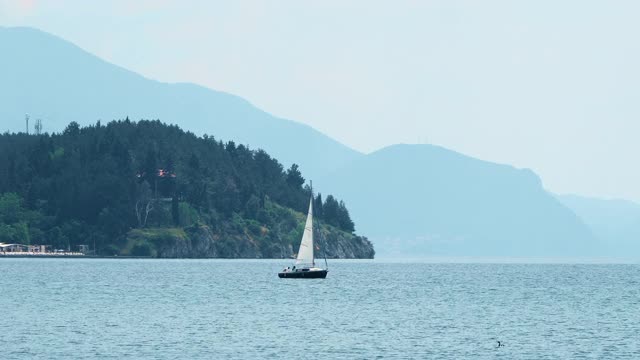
(313, 257)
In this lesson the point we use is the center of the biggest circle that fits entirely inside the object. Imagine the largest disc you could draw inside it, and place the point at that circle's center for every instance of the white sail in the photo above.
(305, 254)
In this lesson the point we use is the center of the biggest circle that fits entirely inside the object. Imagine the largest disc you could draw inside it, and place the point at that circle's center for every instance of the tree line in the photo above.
(93, 184)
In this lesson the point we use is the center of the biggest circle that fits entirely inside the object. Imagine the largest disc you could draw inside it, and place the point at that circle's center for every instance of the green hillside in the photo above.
(146, 188)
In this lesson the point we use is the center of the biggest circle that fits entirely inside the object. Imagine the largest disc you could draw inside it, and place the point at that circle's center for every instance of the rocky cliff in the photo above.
(202, 242)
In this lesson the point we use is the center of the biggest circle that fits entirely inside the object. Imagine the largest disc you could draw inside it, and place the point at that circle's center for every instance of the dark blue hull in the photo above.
(309, 274)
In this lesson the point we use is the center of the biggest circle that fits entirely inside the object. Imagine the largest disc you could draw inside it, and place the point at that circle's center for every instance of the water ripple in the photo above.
(202, 309)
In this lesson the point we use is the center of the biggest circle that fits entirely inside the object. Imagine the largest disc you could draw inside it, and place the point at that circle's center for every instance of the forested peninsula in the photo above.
(149, 189)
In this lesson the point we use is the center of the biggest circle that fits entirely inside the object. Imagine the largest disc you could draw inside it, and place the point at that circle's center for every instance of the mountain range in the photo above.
(56, 81)
(615, 222)
(427, 200)
(417, 200)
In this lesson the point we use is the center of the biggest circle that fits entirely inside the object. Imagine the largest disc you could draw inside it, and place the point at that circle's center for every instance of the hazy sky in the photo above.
(549, 85)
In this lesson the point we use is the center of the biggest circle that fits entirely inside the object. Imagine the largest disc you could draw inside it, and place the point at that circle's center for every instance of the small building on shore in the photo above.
(13, 247)
(38, 250)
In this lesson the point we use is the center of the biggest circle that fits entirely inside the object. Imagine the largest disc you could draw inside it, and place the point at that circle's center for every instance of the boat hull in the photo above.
(311, 274)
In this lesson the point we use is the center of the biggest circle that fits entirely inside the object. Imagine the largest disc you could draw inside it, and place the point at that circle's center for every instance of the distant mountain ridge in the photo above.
(441, 203)
(615, 222)
(54, 80)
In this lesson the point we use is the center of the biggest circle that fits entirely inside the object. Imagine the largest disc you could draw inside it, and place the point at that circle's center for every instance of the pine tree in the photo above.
(294, 177)
(317, 206)
(344, 220)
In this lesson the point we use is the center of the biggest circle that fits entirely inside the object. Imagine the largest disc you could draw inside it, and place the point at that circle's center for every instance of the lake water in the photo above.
(240, 309)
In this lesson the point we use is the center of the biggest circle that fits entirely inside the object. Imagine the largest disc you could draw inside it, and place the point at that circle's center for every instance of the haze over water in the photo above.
(204, 309)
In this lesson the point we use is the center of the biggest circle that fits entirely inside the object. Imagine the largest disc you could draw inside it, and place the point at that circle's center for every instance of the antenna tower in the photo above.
(38, 127)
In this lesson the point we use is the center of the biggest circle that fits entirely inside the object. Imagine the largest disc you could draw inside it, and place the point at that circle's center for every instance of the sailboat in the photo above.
(305, 266)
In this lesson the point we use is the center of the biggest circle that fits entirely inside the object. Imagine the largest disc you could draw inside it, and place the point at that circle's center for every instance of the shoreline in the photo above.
(69, 256)
(383, 260)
